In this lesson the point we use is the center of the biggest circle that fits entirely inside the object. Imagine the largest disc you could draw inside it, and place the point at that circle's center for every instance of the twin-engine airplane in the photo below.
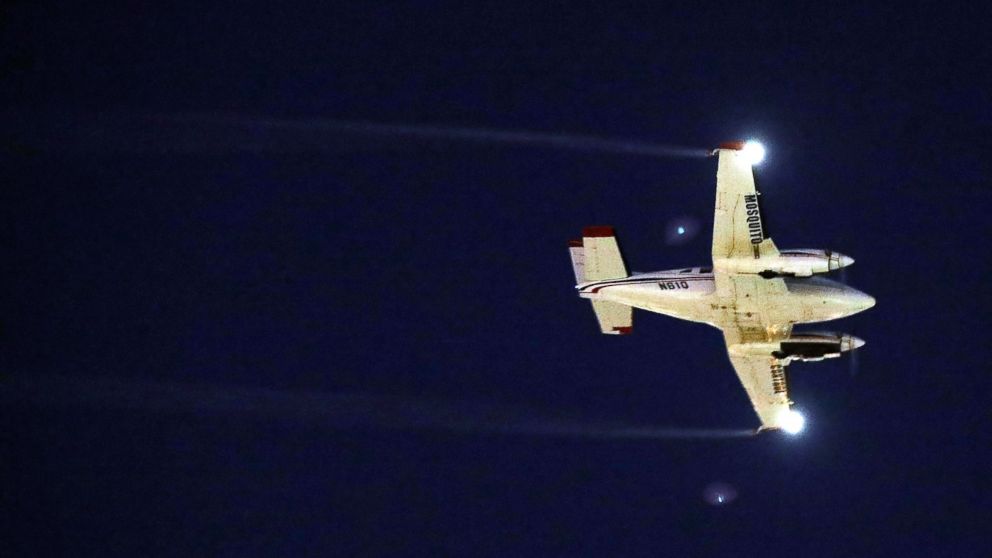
(754, 292)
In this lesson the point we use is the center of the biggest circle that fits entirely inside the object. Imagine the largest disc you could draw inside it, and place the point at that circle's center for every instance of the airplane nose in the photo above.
(857, 301)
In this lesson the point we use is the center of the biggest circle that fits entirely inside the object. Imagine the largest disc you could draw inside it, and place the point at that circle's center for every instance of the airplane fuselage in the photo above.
(691, 294)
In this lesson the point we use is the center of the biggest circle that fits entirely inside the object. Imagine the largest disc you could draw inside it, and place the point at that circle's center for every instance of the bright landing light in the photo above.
(791, 421)
(754, 151)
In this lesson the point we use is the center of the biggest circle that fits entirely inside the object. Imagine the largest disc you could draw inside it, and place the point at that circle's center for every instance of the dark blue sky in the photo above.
(434, 271)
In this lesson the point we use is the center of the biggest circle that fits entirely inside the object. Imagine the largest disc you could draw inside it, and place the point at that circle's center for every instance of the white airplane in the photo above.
(754, 292)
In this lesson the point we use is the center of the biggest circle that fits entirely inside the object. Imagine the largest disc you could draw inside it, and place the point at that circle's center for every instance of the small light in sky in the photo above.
(754, 152)
(680, 230)
(719, 493)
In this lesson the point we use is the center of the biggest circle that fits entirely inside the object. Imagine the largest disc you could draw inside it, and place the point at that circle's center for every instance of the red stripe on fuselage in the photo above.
(595, 287)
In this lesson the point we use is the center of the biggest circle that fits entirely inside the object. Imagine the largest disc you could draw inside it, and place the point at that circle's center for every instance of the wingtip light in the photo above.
(791, 421)
(754, 151)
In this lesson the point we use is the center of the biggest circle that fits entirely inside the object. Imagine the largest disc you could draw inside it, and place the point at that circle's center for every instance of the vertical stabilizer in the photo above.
(576, 250)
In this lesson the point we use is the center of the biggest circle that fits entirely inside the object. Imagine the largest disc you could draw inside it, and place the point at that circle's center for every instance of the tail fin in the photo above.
(578, 254)
(602, 254)
(596, 257)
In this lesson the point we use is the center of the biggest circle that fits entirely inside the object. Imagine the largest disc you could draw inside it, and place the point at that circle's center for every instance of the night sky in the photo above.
(264, 334)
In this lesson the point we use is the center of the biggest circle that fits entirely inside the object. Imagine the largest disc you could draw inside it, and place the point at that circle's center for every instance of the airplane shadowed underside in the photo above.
(753, 292)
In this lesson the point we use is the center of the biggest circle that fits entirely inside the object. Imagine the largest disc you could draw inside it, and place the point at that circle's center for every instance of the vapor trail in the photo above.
(196, 133)
(482, 135)
(337, 411)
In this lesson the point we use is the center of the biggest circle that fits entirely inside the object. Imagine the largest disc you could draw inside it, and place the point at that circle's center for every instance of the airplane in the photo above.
(753, 292)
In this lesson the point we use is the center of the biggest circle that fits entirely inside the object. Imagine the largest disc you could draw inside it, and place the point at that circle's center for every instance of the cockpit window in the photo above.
(686, 270)
(705, 269)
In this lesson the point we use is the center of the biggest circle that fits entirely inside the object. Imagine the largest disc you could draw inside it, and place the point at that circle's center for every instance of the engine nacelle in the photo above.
(787, 263)
(808, 347)
(804, 262)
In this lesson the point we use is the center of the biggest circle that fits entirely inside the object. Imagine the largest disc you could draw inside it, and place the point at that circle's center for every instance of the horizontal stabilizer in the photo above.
(602, 259)
(614, 318)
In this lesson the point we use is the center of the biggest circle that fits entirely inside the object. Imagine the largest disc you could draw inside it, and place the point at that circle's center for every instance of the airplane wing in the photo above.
(746, 327)
(757, 305)
(738, 231)
(763, 377)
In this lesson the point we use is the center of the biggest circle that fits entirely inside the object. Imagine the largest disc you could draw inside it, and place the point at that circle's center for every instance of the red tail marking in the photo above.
(735, 145)
(598, 232)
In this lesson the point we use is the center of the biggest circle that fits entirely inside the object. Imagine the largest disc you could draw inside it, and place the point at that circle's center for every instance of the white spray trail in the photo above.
(482, 135)
(335, 411)
(198, 133)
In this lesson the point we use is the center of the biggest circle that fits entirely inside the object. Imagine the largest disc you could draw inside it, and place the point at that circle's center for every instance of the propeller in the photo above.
(854, 366)
(853, 360)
